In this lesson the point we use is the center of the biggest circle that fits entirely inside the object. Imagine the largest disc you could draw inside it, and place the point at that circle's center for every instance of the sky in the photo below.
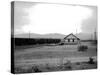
(46, 18)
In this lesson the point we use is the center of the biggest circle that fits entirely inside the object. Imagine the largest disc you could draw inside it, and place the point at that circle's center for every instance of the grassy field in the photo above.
(44, 58)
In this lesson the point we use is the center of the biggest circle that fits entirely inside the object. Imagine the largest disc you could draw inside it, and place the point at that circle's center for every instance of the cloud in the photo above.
(21, 14)
(55, 18)
(47, 18)
(90, 24)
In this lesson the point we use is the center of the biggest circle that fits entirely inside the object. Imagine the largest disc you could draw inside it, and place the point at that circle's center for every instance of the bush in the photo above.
(82, 48)
(36, 69)
(68, 65)
(77, 63)
(91, 61)
(19, 70)
(29, 70)
(48, 67)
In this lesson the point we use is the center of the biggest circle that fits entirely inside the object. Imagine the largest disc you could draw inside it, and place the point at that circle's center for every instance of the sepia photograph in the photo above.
(50, 37)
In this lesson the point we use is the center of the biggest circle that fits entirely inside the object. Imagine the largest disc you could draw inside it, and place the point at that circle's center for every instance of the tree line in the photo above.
(34, 41)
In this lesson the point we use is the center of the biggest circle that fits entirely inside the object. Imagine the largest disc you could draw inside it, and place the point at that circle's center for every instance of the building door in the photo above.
(73, 40)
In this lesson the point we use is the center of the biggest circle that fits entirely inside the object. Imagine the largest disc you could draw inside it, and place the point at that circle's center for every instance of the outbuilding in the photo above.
(71, 39)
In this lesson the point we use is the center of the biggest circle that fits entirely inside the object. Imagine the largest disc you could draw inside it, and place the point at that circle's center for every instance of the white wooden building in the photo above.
(70, 39)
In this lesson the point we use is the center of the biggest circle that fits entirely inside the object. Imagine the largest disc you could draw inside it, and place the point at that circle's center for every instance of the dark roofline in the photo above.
(73, 35)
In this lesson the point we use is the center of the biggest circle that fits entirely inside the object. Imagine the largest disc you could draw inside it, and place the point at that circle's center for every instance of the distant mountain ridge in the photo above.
(83, 36)
(34, 35)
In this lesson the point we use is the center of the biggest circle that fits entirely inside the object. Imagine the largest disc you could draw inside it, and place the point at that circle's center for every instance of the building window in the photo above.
(68, 40)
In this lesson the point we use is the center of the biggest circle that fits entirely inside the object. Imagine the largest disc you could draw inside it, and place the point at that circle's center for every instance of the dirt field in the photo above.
(54, 58)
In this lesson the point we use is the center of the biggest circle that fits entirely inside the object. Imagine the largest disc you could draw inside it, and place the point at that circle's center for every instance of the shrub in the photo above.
(68, 65)
(82, 48)
(91, 61)
(48, 67)
(18, 70)
(36, 69)
(28, 70)
(77, 63)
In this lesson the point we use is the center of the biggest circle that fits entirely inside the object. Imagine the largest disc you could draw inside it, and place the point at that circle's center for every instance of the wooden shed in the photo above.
(70, 39)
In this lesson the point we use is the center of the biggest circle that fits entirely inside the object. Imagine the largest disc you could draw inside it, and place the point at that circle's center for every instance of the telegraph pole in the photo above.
(76, 31)
(95, 36)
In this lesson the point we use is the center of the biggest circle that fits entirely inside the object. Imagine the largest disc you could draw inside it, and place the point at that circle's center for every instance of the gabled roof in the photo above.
(72, 35)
